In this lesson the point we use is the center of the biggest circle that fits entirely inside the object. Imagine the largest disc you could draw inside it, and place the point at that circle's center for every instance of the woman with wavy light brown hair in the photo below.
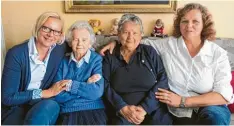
(198, 70)
(208, 31)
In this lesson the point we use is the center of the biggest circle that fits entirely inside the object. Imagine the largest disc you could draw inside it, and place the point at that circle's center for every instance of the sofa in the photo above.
(226, 43)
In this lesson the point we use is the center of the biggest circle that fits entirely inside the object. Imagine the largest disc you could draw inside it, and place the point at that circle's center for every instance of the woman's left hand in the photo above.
(168, 97)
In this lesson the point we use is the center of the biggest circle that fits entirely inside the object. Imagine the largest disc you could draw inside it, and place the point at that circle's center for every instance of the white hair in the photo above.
(80, 25)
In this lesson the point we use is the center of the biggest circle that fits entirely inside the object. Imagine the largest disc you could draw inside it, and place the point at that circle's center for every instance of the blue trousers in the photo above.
(45, 112)
(210, 115)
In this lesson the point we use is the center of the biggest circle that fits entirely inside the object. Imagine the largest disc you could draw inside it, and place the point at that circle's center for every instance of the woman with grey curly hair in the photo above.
(81, 103)
(132, 74)
(198, 70)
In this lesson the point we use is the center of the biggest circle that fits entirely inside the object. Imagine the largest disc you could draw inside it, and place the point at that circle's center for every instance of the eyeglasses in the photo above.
(48, 30)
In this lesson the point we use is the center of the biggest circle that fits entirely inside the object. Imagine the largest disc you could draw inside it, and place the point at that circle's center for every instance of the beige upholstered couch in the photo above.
(225, 43)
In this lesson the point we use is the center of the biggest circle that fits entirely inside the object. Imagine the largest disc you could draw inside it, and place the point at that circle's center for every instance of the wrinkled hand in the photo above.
(94, 78)
(168, 97)
(141, 111)
(133, 114)
(109, 47)
(55, 89)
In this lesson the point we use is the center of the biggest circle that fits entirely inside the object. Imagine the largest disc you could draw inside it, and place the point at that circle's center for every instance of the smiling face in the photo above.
(47, 39)
(191, 25)
(81, 41)
(130, 35)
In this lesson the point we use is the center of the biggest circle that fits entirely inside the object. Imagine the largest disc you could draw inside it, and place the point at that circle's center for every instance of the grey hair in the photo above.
(80, 25)
(130, 17)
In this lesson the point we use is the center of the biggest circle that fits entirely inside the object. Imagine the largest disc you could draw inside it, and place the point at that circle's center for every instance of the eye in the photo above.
(125, 32)
(84, 40)
(57, 33)
(46, 29)
(196, 21)
(184, 21)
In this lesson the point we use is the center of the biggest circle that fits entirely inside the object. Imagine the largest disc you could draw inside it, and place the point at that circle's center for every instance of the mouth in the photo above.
(189, 31)
(48, 39)
(128, 41)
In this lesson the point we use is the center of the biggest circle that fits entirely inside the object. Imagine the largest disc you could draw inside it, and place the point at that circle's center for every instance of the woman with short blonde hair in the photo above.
(28, 73)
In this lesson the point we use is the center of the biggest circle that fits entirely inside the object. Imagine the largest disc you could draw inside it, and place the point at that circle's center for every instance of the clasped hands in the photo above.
(63, 85)
(134, 114)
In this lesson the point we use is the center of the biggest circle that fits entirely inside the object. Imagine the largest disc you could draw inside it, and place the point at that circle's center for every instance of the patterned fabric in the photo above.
(37, 93)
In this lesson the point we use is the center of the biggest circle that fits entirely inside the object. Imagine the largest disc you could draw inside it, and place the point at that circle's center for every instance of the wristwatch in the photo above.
(182, 102)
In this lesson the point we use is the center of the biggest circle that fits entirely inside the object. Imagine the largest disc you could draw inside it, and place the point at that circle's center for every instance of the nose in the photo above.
(190, 24)
(130, 35)
(78, 43)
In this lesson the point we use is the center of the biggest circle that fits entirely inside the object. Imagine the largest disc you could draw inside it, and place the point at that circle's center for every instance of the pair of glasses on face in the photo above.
(48, 30)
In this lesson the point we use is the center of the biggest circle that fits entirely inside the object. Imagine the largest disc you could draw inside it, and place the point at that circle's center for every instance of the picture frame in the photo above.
(120, 6)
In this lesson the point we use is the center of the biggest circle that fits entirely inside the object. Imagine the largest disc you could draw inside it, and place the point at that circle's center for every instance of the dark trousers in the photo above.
(45, 112)
(210, 115)
(159, 117)
(85, 117)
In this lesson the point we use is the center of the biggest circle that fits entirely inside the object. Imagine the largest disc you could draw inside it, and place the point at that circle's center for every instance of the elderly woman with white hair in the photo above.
(81, 103)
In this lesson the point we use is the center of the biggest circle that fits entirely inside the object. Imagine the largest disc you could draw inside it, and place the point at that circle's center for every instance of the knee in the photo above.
(51, 109)
(51, 105)
(215, 115)
(45, 112)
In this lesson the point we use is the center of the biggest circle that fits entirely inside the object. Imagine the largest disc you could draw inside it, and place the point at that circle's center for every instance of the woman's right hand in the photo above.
(133, 114)
(109, 47)
(55, 89)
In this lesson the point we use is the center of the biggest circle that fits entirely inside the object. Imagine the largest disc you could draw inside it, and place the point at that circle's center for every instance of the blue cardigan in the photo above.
(83, 95)
(17, 75)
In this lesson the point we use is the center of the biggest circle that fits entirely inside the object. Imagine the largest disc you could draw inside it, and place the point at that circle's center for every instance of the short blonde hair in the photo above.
(43, 18)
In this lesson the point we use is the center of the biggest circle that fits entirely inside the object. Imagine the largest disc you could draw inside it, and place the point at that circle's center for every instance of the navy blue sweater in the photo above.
(135, 91)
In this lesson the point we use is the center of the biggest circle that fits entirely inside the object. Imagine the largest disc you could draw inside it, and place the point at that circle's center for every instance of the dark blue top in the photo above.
(136, 82)
(83, 95)
(16, 75)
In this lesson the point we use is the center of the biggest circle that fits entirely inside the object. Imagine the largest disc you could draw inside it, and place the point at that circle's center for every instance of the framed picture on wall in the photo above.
(120, 6)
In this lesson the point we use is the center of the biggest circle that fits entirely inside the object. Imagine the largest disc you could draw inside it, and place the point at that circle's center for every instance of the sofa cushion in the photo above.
(228, 45)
